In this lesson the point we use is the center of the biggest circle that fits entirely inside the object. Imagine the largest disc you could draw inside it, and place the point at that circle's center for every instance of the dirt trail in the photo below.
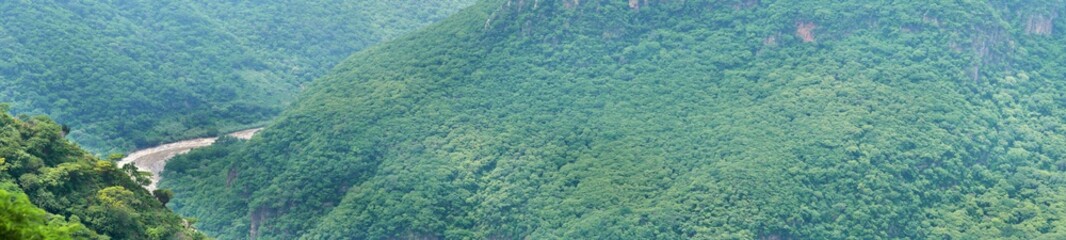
(154, 159)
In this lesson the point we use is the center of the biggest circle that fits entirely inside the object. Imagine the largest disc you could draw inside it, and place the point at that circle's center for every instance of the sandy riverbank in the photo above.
(154, 159)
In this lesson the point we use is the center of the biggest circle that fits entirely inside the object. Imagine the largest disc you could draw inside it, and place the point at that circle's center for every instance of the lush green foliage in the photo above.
(667, 120)
(20, 219)
(127, 74)
(91, 199)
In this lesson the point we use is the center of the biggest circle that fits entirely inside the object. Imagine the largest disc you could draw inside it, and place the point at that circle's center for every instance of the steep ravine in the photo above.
(154, 159)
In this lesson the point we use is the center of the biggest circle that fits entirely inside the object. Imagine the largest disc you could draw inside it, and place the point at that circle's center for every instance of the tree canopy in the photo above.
(699, 119)
(51, 189)
(131, 74)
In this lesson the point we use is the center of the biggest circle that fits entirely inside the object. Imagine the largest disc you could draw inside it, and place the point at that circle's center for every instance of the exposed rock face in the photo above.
(805, 30)
(746, 4)
(1039, 25)
(988, 44)
(257, 217)
(231, 176)
(571, 4)
(770, 41)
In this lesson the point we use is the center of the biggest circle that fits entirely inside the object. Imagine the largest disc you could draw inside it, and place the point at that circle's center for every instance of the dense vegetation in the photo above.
(606, 119)
(20, 219)
(51, 189)
(128, 74)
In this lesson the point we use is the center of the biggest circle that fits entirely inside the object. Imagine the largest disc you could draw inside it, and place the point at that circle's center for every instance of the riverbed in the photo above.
(154, 159)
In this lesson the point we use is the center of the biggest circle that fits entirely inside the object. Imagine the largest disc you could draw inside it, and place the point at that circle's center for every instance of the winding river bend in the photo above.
(155, 158)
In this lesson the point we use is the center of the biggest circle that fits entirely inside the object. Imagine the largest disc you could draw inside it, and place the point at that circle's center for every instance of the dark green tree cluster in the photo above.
(129, 74)
(698, 119)
(51, 189)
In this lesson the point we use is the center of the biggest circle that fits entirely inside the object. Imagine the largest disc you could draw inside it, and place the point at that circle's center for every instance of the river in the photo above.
(154, 159)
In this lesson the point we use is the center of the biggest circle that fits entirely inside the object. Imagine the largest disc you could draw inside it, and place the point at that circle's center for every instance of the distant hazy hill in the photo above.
(698, 119)
(126, 74)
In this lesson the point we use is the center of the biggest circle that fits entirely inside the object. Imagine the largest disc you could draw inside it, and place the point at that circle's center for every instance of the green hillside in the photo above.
(51, 189)
(20, 219)
(129, 74)
(664, 119)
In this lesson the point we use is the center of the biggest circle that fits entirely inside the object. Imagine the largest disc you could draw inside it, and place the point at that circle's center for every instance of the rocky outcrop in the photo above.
(805, 30)
(746, 4)
(1039, 25)
(256, 219)
(571, 4)
(231, 176)
(989, 45)
(770, 40)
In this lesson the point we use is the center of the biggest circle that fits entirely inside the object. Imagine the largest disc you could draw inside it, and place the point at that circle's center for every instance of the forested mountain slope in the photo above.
(699, 119)
(127, 74)
(51, 189)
